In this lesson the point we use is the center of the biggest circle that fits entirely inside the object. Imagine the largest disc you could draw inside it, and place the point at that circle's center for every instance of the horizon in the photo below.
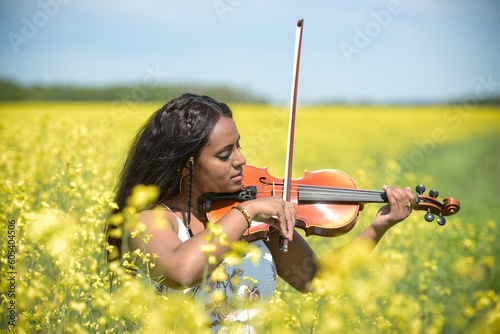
(469, 100)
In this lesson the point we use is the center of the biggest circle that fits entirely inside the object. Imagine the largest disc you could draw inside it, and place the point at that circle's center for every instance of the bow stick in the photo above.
(291, 126)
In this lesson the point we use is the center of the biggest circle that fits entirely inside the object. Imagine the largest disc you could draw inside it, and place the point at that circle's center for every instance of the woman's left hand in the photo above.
(401, 202)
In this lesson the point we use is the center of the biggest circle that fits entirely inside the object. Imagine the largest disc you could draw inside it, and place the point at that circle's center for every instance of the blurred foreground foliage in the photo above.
(59, 163)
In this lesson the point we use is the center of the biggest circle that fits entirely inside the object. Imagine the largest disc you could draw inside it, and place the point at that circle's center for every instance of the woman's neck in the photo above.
(181, 203)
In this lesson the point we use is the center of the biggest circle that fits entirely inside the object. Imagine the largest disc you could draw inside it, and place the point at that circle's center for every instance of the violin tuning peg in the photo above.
(420, 189)
(441, 220)
(433, 193)
(429, 216)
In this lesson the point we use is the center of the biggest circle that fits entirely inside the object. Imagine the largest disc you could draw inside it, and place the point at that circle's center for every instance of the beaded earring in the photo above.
(190, 186)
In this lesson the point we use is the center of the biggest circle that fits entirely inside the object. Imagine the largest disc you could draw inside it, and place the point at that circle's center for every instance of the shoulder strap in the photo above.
(183, 232)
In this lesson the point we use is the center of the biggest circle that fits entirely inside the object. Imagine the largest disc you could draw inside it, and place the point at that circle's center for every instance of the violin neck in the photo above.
(318, 194)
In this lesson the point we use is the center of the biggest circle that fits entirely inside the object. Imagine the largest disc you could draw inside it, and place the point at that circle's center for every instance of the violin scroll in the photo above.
(449, 207)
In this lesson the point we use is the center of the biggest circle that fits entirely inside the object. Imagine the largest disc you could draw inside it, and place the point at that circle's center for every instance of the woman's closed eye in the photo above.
(224, 157)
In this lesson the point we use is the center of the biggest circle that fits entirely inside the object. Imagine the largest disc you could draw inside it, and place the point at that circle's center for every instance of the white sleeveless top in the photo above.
(261, 287)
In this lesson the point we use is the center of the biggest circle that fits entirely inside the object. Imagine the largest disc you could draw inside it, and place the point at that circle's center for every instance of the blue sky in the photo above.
(366, 50)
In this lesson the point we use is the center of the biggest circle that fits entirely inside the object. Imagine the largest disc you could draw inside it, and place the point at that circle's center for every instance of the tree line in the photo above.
(11, 91)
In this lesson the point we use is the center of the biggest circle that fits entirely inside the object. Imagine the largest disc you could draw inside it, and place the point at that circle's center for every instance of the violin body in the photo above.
(327, 202)
(311, 217)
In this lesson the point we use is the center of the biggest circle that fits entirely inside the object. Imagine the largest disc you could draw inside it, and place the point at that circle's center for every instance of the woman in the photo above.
(190, 147)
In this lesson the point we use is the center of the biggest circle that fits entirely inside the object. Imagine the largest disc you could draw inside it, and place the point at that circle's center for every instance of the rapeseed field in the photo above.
(59, 163)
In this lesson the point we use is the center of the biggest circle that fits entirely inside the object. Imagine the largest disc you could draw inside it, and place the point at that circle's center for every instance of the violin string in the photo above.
(349, 195)
(326, 192)
(326, 189)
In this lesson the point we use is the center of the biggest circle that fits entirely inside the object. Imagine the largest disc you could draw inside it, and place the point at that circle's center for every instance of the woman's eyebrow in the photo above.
(228, 146)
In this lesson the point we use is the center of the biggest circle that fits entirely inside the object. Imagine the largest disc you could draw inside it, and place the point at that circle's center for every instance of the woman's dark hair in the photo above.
(164, 146)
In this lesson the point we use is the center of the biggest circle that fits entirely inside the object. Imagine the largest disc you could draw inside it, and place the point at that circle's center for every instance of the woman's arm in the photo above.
(298, 266)
(401, 202)
(181, 264)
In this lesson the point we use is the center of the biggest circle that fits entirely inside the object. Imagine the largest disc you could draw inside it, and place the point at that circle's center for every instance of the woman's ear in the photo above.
(185, 168)
(185, 171)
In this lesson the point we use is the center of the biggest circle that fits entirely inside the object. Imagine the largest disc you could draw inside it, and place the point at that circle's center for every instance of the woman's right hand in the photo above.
(275, 212)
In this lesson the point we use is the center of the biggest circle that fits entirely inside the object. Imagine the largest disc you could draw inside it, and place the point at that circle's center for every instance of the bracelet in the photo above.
(245, 214)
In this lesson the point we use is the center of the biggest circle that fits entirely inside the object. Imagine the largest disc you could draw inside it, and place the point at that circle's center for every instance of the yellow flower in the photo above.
(218, 296)
(102, 321)
(216, 229)
(146, 238)
(255, 256)
(469, 311)
(219, 274)
(250, 280)
(143, 195)
(159, 220)
(393, 166)
(482, 303)
(488, 261)
(463, 265)
(116, 219)
(208, 248)
(493, 319)
(77, 306)
(232, 259)
(235, 280)
(491, 224)
(113, 205)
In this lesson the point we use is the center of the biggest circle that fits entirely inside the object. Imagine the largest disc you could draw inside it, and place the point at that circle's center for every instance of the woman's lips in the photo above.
(238, 177)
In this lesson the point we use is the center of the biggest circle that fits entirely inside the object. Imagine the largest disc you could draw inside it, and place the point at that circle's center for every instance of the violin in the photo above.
(327, 202)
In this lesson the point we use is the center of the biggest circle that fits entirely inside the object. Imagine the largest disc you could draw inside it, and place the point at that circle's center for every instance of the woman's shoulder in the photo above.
(159, 216)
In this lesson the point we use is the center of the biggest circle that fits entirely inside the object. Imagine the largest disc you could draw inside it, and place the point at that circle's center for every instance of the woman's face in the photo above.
(220, 163)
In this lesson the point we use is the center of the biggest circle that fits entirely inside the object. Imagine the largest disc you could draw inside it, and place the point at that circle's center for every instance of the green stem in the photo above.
(148, 273)
(204, 279)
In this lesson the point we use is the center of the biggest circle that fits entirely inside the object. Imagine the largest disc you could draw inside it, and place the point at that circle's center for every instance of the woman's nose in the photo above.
(239, 160)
